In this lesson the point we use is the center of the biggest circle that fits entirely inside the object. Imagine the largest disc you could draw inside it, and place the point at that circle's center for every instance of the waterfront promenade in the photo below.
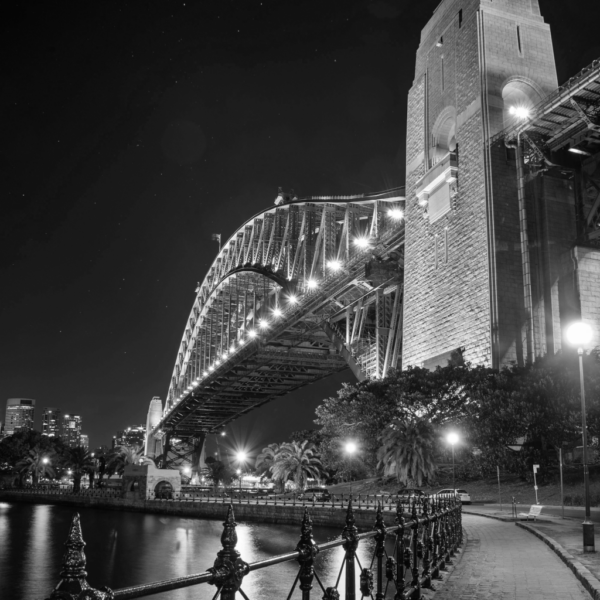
(504, 562)
(500, 560)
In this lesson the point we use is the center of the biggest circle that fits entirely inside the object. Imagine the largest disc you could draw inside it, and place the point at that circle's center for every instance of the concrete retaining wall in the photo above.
(263, 513)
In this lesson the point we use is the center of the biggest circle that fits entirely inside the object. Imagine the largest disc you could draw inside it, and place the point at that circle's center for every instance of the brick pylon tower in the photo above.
(479, 63)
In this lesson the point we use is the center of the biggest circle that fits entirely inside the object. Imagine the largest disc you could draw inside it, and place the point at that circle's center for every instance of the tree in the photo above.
(264, 464)
(80, 461)
(298, 462)
(121, 456)
(218, 472)
(37, 463)
(15, 447)
(361, 412)
(407, 451)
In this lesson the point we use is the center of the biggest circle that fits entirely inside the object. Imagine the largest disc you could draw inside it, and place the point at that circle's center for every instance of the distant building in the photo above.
(132, 436)
(19, 415)
(84, 441)
(51, 421)
(70, 431)
(154, 417)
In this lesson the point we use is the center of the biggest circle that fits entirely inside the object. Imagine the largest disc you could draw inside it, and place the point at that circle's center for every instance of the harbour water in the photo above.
(126, 548)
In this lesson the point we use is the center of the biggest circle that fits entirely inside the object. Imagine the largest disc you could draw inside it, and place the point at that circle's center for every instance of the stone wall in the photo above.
(463, 277)
(261, 513)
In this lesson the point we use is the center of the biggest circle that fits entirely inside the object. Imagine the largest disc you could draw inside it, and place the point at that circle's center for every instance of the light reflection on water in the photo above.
(126, 549)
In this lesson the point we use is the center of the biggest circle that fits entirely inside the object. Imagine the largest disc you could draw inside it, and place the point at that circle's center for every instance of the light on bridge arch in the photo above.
(521, 112)
(292, 299)
(211, 368)
(312, 284)
(205, 374)
(396, 214)
(277, 312)
(361, 242)
(252, 333)
(225, 354)
(334, 265)
(263, 323)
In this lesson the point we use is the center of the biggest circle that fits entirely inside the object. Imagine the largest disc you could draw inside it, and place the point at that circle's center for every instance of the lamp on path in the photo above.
(579, 335)
(452, 440)
(350, 449)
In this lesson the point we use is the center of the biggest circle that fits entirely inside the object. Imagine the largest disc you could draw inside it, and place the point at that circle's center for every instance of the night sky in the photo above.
(130, 132)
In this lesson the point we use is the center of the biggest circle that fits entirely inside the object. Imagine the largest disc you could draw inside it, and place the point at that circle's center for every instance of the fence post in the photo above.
(350, 536)
(426, 544)
(416, 580)
(379, 552)
(229, 569)
(308, 550)
(73, 574)
(438, 552)
(400, 552)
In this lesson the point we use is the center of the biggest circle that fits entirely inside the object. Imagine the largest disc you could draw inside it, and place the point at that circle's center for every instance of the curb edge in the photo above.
(583, 574)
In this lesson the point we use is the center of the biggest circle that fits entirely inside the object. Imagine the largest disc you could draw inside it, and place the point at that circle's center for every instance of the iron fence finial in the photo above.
(229, 569)
(73, 584)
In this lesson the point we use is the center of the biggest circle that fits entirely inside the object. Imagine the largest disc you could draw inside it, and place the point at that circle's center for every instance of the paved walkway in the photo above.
(504, 562)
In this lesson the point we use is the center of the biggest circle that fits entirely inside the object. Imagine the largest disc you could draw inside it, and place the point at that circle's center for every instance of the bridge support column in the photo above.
(197, 454)
(344, 352)
(166, 450)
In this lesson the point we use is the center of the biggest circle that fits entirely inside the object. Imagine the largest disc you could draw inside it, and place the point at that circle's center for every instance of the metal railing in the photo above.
(425, 537)
(65, 491)
(340, 501)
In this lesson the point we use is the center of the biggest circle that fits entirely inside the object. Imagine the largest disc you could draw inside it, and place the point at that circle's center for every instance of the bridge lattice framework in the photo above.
(297, 293)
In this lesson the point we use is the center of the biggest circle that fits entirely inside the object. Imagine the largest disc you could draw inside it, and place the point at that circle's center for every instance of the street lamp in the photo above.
(350, 449)
(452, 439)
(241, 458)
(579, 335)
(45, 460)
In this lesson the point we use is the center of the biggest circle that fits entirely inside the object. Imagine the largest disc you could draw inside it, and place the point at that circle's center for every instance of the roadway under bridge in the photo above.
(300, 291)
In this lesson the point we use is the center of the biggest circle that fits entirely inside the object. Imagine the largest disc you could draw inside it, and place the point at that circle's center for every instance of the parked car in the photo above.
(319, 494)
(464, 496)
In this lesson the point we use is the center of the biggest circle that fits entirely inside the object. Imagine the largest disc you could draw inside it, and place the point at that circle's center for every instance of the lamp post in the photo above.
(579, 335)
(452, 440)
(350, 449)
(241, 458)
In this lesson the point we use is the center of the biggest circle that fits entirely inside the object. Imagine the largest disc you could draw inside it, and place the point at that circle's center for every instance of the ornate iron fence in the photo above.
(425, 537)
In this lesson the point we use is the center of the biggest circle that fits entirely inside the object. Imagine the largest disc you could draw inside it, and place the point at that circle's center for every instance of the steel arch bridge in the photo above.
(298, 292)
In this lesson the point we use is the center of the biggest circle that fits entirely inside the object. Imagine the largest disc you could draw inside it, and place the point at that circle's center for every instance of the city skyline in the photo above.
(191, 141)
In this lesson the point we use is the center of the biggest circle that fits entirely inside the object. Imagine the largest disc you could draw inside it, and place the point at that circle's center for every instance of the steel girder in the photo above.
(256, 329)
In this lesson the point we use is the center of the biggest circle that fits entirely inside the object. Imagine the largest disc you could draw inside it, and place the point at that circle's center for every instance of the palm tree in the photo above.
(407, 451)
(80, 461)
(298, 461)
(121, 456)
(36, 462)
(264, 464)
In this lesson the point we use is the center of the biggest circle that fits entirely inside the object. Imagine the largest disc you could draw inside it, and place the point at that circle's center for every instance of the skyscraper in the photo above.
(154, 416)
(84, 441)
(71, 430)
(19, 415)
(134, 436)
(51, 421)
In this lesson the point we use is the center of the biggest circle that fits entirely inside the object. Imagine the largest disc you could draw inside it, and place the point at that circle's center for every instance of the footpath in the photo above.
(562, 535)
